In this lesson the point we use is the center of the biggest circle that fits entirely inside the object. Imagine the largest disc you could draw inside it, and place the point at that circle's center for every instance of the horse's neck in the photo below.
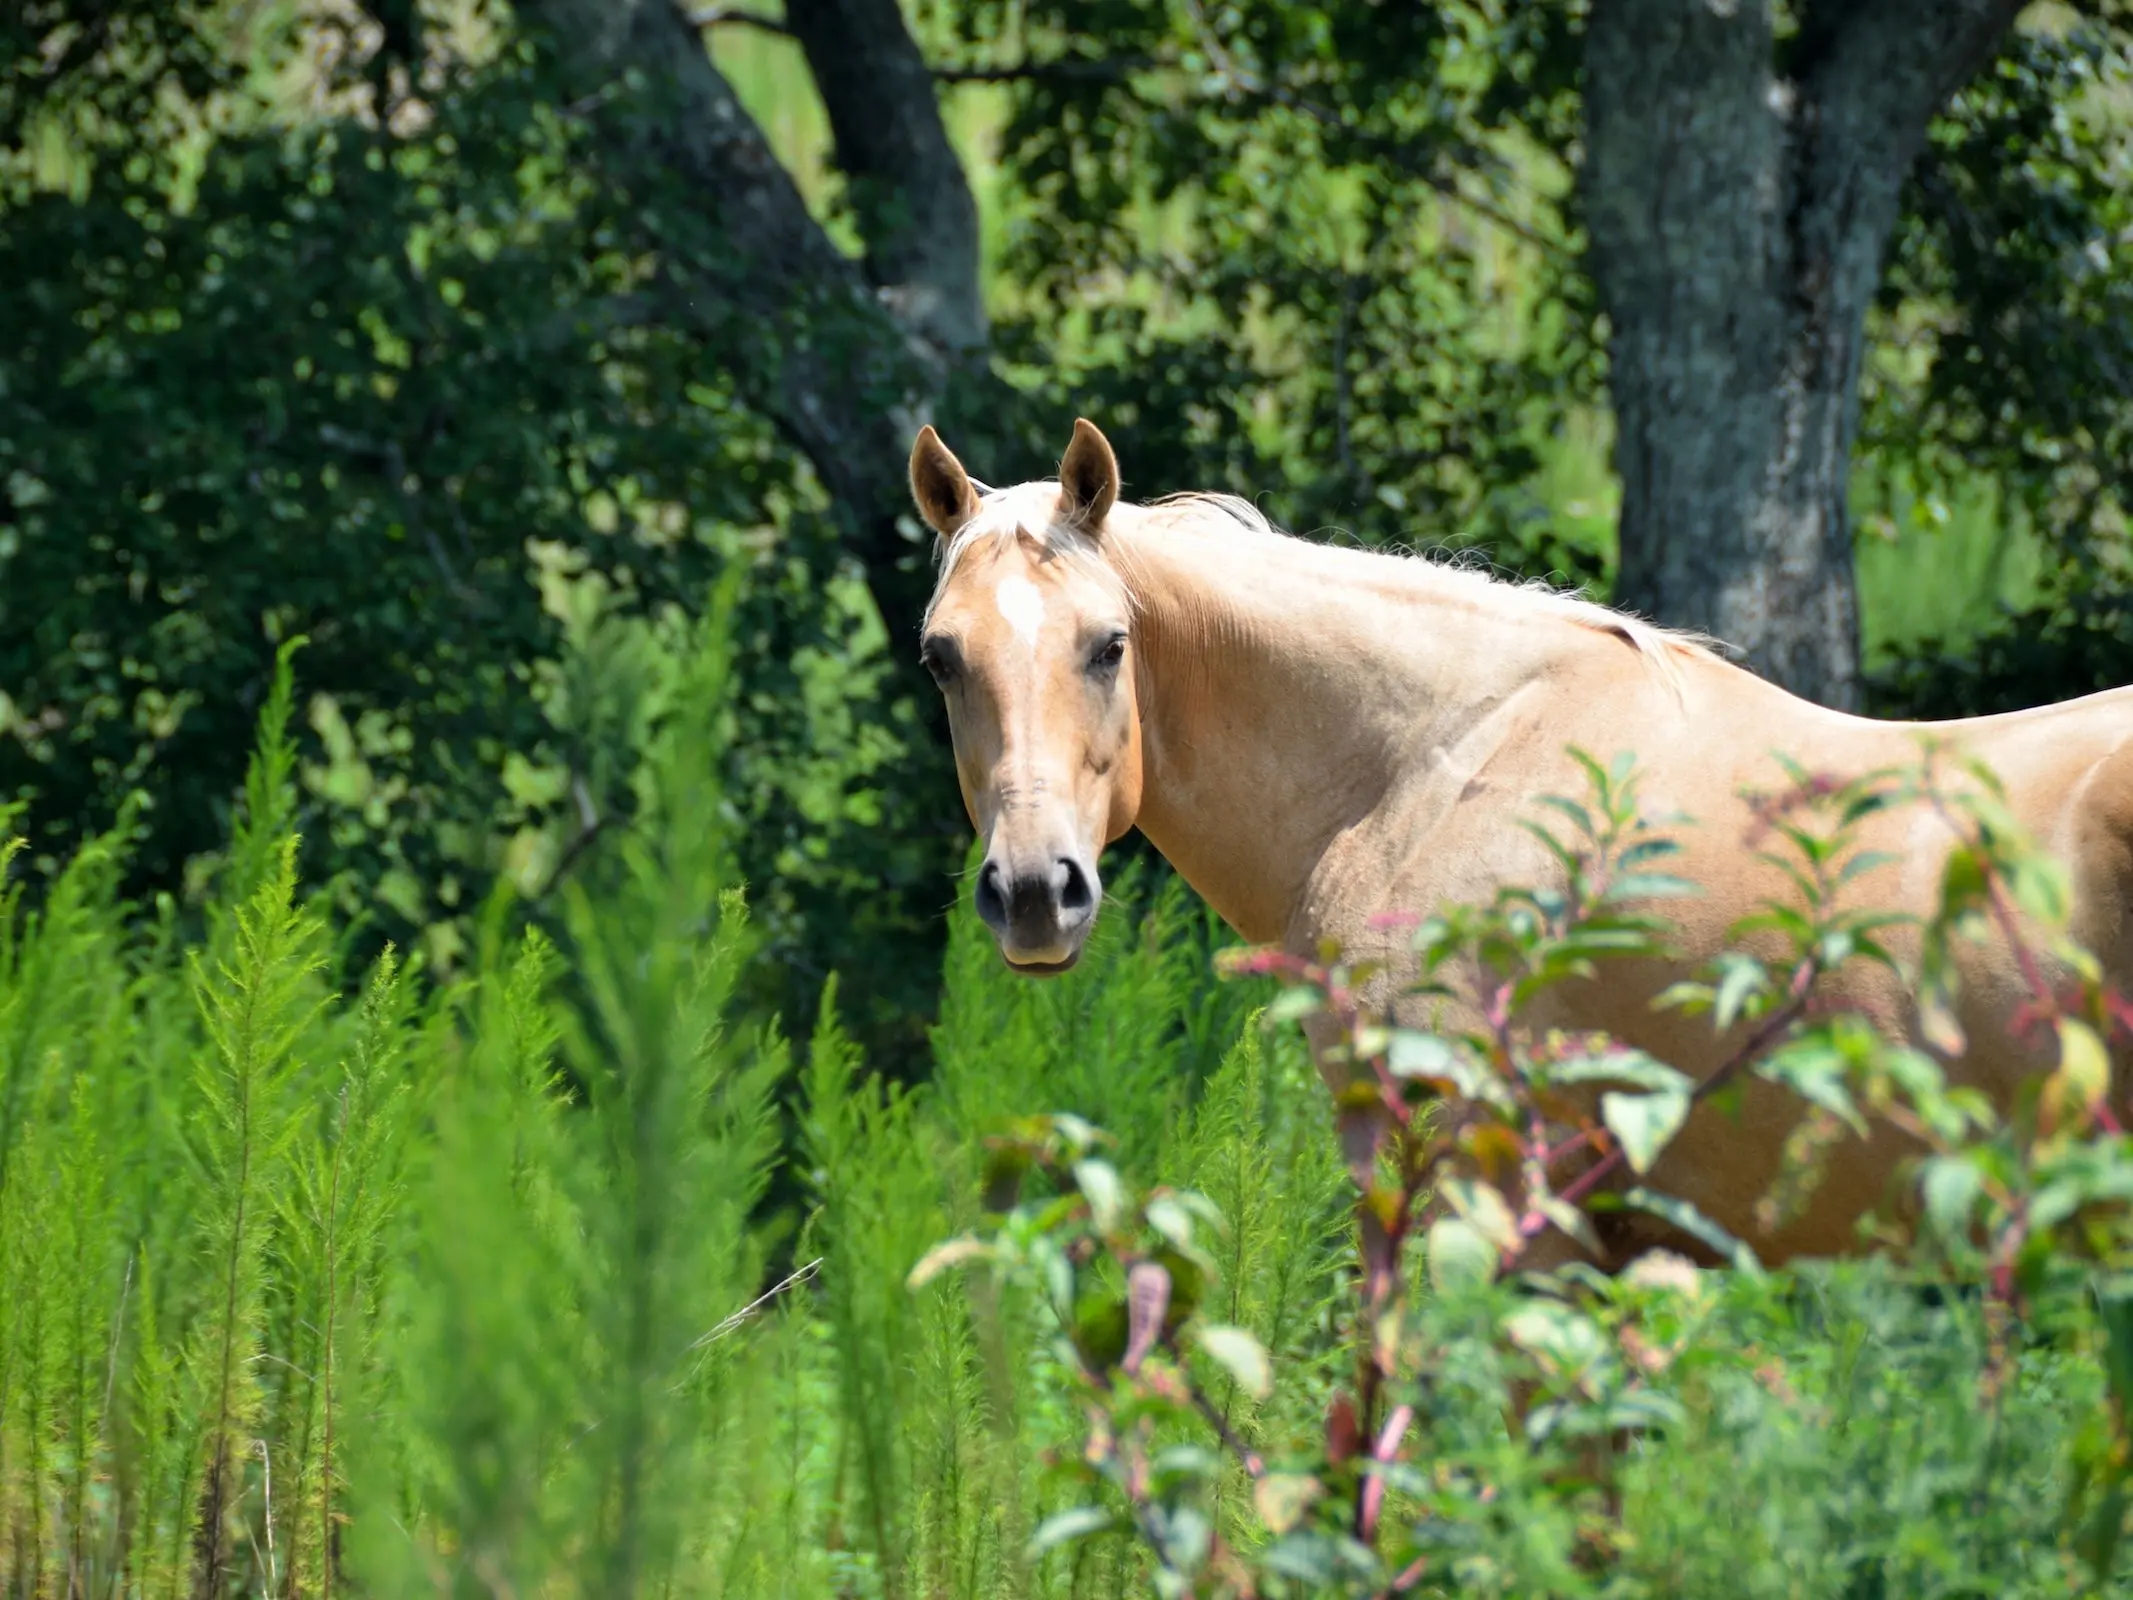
(1285, 690)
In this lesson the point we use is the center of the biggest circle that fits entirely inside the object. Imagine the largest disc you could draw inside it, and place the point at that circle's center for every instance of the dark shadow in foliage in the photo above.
(2076, 644)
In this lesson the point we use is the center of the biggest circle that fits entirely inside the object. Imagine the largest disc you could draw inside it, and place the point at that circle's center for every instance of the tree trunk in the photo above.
(1738, 212)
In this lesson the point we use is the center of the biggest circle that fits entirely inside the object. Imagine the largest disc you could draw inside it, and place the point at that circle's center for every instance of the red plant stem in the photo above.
(2003, 914)
(1804, 978)
(1772, 1027)
(2010, 1246)
(1373, 1497)
(2047, 1002)
(1247, 1457)
(1570, 1146)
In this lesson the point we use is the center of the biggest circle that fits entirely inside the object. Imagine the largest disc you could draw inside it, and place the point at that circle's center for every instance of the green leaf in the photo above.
(2055, 1202)
(1647, 850)
(1483, 1205)
(1962, 884)
(1644, 1123)
(1937, 1023)
(1171, 1219)
(2114, 1307)
(1460, 1257)
(1621, 1065)
(1814, 1069)
(1642, 1410)
(1306, 1556)
(1744, 977)
(1687, 995)
(1681, 1214)
(2084, 1066)
(1571, 809)
(1102, 1330)
(1951, 1186)
(1183, 1463)
(1426, 1055)
(1283, 1497)
(1099, 1185)
(1293, 1004)
(1005, 1169)
(1652, 886)
(1078, 1132)
(1184, 1541)
(1062, 1526)
(1563, 1337)
(1058, 1274)
(1569, 1219)
(1562, 852)
(1242, 1355)
(1419, 1055)
(2096, 1541)
(1864, 862)
(949, 1253)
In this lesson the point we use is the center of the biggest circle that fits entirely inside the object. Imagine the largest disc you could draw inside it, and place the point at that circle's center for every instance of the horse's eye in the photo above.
(939, 663)
(1109, 656)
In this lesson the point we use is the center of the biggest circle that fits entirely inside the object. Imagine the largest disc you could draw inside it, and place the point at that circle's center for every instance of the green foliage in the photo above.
(391, 388)
(448, 1285)
(464, 1286)
(1516, 1429)
(325, 1269)
(1303, 250)
(2010, 344)
(331, 324)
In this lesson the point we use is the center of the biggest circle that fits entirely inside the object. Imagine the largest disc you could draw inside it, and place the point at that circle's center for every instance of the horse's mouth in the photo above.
(1040, 969)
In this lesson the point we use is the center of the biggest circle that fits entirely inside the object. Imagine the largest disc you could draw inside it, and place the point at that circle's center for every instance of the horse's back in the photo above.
(2068, 772)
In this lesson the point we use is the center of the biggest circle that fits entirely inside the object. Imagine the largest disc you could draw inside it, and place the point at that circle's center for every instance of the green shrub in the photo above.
(316, 1281)
(1501, 1429)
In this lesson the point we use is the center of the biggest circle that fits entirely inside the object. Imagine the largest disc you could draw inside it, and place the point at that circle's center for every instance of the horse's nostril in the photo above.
(1075, 894)
(992, 895)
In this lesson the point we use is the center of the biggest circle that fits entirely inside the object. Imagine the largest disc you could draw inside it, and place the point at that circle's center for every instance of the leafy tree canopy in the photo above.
(473, 345)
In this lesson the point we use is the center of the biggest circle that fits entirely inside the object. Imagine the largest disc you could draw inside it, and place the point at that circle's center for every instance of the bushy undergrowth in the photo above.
(1510, 1426)
(318, 1282)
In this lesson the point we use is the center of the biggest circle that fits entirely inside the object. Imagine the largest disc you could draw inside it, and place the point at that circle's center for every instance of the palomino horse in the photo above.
(1315, 737)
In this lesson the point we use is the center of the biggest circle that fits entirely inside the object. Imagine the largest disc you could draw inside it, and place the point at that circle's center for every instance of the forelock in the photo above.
(1026, 511)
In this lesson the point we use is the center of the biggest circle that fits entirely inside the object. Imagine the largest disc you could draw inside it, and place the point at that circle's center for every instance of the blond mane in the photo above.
(1028, 511)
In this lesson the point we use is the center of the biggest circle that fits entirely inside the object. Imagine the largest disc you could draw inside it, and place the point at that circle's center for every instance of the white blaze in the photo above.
(1022, 606)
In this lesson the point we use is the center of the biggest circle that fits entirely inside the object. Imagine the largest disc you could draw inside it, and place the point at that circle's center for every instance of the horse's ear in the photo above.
(940, 485)
(1088, 478)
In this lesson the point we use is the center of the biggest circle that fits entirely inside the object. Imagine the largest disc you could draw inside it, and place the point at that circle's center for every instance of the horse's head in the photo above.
(1029, 636)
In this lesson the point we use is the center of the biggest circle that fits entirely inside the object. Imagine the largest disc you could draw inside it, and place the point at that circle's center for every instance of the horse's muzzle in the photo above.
(1040, 911)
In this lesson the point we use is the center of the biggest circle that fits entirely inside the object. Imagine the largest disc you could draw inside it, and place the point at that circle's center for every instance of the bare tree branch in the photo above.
(737, 16)
(1066, 69)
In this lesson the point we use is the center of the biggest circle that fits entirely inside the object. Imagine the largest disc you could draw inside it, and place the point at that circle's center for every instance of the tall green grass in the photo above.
(316, 1281)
